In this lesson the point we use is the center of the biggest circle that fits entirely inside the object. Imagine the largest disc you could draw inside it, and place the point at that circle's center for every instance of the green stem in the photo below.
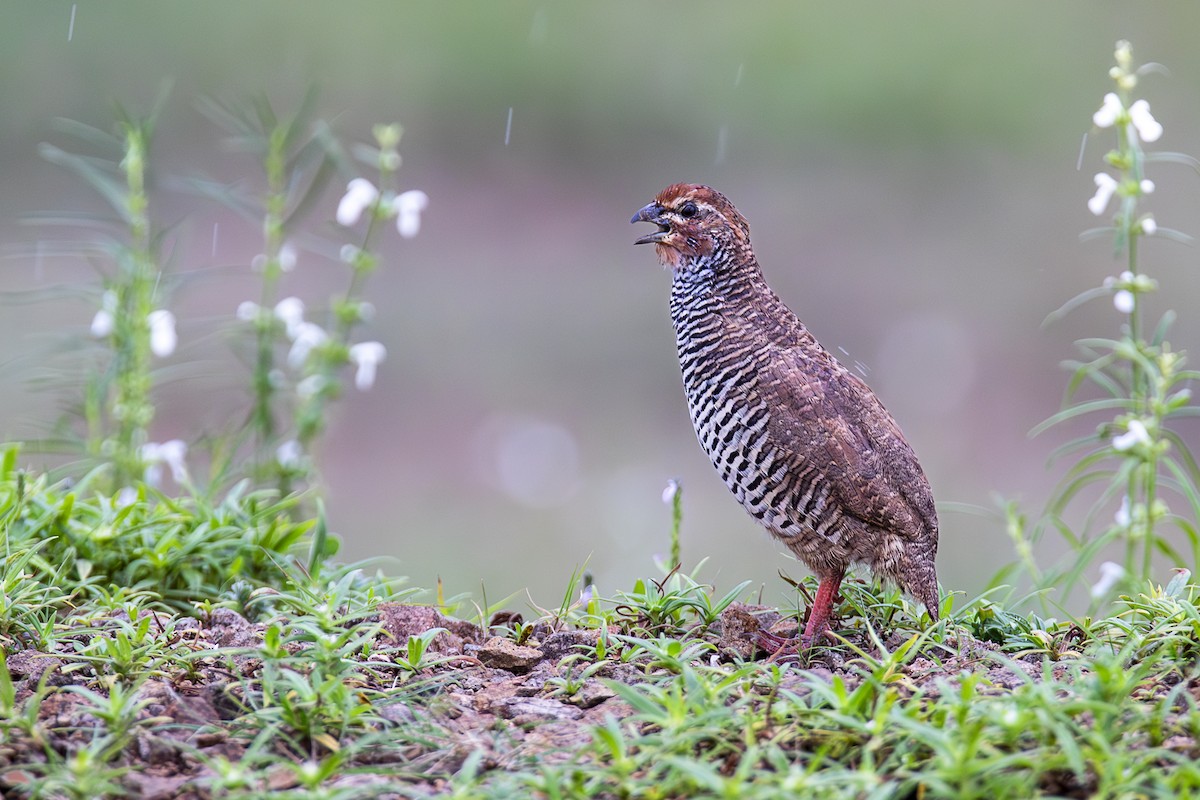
(262, 418)
(132, 409)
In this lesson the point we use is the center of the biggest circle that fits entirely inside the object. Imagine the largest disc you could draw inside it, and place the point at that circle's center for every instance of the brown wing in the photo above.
(824, 415)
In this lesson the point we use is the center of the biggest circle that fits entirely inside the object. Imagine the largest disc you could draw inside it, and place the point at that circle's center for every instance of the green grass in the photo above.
(172, 640)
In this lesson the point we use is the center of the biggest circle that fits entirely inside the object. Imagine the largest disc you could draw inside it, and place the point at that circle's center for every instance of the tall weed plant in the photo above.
(298, 350)
(1134, 477)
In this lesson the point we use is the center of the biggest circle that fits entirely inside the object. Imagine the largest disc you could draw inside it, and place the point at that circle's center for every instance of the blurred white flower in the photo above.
(1122, 517)
(1149, 225)
(162, 333)
(258, 262)
(1148, 128)
(409, 206)
(310, 386)
(126, 497)
(289, 454)
(1106, 185)
(291, 311)
(348, 253)
(360, 194)
(305, 336)
(287, 257)
(367, 356)
(1110, 575)
(1147, 186)
(171, 453)
(1135, 434)
(1123, 301)
(104, 321)
(670, 491)
(1108, 113)
(247, 310)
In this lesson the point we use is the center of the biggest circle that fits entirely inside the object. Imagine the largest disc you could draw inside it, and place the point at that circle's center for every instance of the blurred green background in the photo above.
(909, 171)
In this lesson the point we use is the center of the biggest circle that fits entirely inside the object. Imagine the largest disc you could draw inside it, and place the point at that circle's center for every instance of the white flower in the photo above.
(1149, 226)
(1106, 185)
(126, 497)
(104, 321)
(348, 253)
(409, 206)
(1127, 276)
(1147, 186)
(247, 310)
(162, 333)
(1135, 434)
(1147, 126)
(310, 386)
(171, 453)
(360, 194)
(289, 454)
(1110, 575)
(287, 257)
(670, 491)
(1123, 301)
(290, 310)
(367, 355)
(1122, 517)
(305, 337)
(259, 262)
(1108, 113)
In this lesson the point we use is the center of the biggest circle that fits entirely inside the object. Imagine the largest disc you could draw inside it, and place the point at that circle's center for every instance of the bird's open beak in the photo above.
(652, 213)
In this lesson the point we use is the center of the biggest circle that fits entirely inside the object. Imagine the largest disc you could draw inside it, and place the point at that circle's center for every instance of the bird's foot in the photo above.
(783, 648)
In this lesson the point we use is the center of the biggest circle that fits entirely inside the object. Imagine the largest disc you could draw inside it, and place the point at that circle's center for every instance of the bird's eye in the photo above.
(688, 210)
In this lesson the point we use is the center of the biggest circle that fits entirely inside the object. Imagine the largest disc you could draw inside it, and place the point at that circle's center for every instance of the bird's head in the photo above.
(695, 222)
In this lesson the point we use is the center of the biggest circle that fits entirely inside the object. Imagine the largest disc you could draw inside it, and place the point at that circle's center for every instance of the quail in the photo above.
(803, 443)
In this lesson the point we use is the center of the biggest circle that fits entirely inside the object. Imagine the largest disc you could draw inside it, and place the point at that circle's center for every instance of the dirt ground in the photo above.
(488, 695)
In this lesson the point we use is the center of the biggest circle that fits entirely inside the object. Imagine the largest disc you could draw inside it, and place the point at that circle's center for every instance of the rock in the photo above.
(401, 621)
(592, 694)
(30, 665)
(397, 713)
(227, 628)
(154, 787)
(524, 710)
(739, 627)
(507, 655)
(560, 644)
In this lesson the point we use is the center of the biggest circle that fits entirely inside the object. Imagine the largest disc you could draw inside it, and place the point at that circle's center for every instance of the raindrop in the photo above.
(508, 127)
(214, 243)
(1082, 147)
(722, 143)
(738, 80)
(862, 368)
(539, 27)
(844, 351)
(71, 27)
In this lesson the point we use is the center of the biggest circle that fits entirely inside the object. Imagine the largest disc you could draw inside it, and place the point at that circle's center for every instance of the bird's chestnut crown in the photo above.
(693, 221)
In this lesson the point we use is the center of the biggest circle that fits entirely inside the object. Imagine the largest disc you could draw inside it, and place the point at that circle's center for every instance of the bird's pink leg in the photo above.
(822, 607)
(818, 623)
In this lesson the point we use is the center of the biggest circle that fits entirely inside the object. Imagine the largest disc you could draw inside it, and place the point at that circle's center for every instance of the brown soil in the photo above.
(487, 695)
